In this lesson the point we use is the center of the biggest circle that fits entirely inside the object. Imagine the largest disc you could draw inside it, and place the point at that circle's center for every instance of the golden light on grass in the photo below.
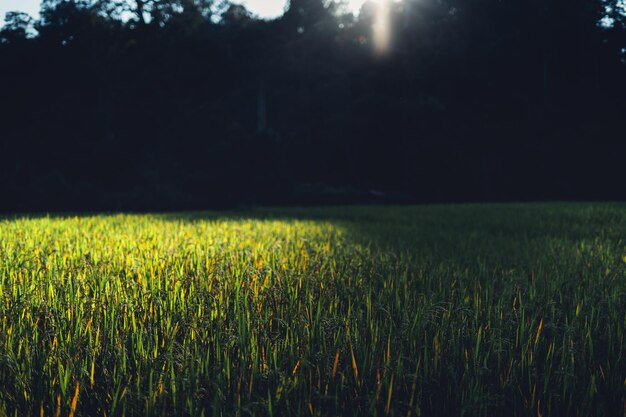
(311, 311)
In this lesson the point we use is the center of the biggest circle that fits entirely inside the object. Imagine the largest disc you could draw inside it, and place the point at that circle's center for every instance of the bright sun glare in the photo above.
(381, 27)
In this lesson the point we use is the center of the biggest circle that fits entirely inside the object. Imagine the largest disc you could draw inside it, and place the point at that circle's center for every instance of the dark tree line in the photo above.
(174, 104)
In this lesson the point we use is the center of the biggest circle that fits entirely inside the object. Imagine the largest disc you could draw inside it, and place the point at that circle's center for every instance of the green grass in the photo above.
(471, 310)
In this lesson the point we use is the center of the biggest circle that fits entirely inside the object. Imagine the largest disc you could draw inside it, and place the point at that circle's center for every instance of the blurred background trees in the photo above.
(175, 104)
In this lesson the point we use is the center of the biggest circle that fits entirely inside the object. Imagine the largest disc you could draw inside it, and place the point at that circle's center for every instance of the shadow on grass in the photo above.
(472, 229)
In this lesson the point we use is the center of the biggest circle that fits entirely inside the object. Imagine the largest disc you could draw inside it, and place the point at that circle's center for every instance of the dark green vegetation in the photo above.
(476, 310)
(489, 100)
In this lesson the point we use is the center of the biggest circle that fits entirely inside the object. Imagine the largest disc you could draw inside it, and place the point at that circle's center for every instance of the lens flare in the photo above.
(381, 27)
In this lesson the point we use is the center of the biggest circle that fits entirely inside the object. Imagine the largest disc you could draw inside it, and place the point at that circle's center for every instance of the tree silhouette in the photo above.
(190, 104)
(17, 27)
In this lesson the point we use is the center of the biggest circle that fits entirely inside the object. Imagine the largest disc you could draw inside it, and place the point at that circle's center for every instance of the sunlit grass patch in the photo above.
(475, 310)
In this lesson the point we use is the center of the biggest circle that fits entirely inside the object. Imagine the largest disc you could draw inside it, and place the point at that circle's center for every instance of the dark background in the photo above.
(189, 104)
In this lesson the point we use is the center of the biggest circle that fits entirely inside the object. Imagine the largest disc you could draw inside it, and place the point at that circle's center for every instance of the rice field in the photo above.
(467, 310)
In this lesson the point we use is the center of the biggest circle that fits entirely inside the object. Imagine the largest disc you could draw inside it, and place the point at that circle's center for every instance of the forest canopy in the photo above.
(178, 104)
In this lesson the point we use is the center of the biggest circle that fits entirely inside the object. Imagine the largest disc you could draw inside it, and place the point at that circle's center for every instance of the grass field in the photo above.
(470, 310)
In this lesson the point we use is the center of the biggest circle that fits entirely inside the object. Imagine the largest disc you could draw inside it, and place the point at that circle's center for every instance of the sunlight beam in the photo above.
(381, 27)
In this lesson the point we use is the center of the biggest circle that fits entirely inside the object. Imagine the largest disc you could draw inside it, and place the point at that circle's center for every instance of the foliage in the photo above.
(183, 104)
(477, 310)
(17, 27)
